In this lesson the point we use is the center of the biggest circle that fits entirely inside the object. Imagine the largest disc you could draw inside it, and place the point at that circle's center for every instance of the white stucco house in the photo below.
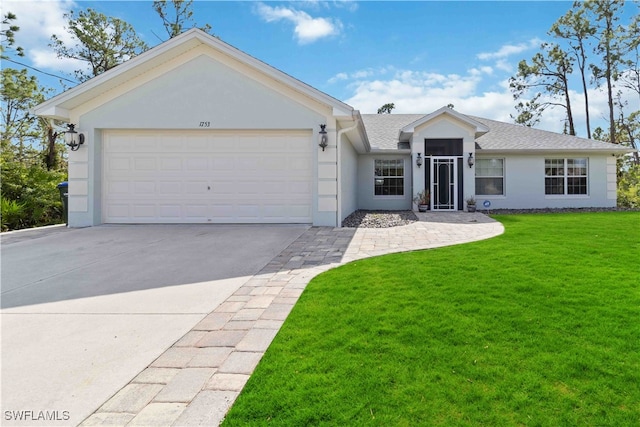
(196, 131)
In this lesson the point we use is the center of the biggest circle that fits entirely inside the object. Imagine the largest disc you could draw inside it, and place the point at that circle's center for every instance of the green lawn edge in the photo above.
(538, 326)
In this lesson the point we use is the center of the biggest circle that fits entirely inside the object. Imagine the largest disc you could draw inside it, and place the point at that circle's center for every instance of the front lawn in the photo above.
(537, 327)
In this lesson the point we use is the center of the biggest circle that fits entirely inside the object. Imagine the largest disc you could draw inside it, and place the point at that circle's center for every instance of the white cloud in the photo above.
(38, 21)
(501, 56)
(481, 70)
(423, 92)
(420, 92)
(509, 50)
(360, 74)
(349, 5)
(415, 92)
(504, 65)
(338, 77)
(306, 28)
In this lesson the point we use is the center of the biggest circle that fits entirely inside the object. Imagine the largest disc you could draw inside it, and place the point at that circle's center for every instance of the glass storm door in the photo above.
(444, 183)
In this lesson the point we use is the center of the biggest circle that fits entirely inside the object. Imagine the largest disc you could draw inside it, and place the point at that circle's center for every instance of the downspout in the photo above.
(339, 170)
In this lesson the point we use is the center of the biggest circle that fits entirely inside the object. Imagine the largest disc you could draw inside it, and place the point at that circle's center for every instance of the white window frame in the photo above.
(503, 177)
(403, 177)
(566, 176)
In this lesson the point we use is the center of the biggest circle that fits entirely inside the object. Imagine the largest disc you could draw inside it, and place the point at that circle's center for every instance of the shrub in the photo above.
(12, 213)
(629, 188)
(34, 193)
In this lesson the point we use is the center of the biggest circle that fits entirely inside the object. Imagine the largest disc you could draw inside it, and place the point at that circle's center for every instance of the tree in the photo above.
(529, 112)
(7, 35)
(605, 14)
(630, 77)
(52, 150)
(577, 29)
(175, 21)
(20, 93)
(386, 108)
(102, 42)
(28, 195)
(547, 73)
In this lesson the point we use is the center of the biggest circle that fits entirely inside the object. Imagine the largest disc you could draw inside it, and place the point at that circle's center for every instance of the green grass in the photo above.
(537, 327)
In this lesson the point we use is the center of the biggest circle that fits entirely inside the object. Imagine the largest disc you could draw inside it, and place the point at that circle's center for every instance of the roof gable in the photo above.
(480, 128)
(59, 106)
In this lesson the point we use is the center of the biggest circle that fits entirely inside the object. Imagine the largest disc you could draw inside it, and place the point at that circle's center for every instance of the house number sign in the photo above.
(205, 124)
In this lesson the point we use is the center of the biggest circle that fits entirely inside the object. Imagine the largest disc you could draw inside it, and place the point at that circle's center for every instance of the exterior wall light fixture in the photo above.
(419, 160)
(72, 138)
(470, 160)
(324, 141)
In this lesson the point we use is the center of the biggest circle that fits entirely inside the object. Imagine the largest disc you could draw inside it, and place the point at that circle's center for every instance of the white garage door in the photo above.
(207, 177)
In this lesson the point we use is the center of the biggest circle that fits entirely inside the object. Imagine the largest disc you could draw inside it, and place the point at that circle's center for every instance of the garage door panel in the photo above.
(221, 211)
(169, 188)
(144, 211)
(145, 164)
(222, 163)
(173, 212)
(115, 188)
(170, 164)
(197, 143)
(223, 188)
(197, 163)
(144, 187)
(299, 164)
(115, 164)
(247, 164)
(196, 211)
(195, 187)
(223, 177)
(299, 188)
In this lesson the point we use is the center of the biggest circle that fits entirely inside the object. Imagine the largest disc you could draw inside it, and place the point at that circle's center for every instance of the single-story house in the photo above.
(196, 131)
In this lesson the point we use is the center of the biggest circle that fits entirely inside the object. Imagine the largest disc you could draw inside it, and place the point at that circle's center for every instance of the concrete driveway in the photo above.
(85, 310)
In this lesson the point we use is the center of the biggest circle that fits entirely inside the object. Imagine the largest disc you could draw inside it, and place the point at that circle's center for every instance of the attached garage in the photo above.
(196, 131)
(207, 176)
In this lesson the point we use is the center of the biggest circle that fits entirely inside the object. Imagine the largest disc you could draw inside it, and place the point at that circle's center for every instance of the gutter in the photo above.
(339, 168)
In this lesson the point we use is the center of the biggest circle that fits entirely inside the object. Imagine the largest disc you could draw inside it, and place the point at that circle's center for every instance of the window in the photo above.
(389, 177)
(565, 176)
(490, 177)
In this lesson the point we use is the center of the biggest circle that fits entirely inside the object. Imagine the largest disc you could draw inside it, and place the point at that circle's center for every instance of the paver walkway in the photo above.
(196, 381)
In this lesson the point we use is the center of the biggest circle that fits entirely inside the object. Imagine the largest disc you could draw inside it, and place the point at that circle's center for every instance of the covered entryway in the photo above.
(444, 173)
(203, 176)
(444, 183)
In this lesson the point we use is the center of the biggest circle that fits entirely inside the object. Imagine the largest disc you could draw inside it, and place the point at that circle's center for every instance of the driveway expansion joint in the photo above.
(197, 380)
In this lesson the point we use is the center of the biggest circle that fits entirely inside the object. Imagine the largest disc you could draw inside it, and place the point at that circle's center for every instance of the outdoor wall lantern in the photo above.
(470, 160)
(419, 160)
(324, 141)
(72, 138)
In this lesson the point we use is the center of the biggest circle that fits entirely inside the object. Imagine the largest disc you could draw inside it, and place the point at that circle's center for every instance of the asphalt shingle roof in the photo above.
(383, 131)
(508, 136)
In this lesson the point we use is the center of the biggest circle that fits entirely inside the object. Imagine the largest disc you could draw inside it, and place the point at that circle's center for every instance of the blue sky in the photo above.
(420, 55)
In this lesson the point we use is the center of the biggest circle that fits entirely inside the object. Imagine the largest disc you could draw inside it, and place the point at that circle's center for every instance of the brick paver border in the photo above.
(196, 380)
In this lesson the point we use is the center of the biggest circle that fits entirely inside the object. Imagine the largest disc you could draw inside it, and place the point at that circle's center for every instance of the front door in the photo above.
(444, 183)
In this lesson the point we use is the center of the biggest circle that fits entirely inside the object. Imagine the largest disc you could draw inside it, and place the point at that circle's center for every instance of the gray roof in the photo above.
(383, 131)
(508, 136)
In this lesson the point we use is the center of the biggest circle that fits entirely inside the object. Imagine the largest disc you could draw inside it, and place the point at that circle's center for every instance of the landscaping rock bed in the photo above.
(387, 219)
(379, 219)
